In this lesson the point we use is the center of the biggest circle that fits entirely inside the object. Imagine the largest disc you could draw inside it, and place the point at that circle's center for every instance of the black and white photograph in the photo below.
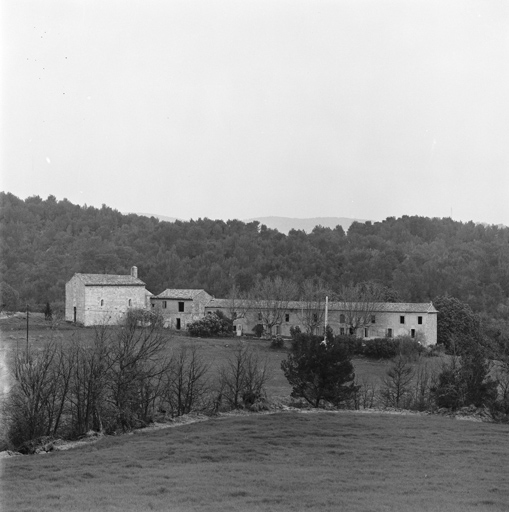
(254, 255)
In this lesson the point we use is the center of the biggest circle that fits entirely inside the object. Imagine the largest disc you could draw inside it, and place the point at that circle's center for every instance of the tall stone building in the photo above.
(102, 299)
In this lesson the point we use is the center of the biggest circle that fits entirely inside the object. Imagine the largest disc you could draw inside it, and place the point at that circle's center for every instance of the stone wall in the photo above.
(115, 303)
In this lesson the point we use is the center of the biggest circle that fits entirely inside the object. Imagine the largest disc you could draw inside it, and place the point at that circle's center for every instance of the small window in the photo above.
(365, 333)
(102, 302)
(209, 312)
(165, 304)
(412, 333)
(153, 305)
(402, 319)
(373, 319)
(341, 319)
(130, 303)
(181, 307)
(389, 333)
(419, 320)
(287, 317)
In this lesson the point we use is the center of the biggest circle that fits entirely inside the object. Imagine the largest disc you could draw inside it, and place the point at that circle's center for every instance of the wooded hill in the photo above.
(44, 242)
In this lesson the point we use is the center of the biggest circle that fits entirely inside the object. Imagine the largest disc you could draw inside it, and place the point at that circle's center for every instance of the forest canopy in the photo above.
(45, 241)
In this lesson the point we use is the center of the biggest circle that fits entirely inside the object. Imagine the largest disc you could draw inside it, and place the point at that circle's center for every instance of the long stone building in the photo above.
(93, 299)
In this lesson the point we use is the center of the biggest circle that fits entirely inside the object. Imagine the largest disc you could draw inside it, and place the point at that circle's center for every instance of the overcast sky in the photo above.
(237, 109)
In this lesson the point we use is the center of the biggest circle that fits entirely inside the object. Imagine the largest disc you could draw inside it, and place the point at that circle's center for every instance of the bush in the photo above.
(352, 345)
(277, 343)
(380, 348)
(215, 324)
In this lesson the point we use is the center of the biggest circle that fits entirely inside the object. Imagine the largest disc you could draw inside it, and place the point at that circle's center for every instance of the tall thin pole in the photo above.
(326, 320)
(27, 330)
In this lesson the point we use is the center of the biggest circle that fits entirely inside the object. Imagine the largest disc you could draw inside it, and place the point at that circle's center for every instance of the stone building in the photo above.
(180, 307)
(102, 299)
(383, 319)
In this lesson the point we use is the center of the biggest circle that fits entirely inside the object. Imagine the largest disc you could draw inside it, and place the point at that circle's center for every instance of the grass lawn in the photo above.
(322, 461)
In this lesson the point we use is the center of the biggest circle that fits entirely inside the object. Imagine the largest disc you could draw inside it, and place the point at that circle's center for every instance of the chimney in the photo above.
(134, 271)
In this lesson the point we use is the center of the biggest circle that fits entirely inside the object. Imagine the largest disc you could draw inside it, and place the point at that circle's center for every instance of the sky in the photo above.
(238, 109)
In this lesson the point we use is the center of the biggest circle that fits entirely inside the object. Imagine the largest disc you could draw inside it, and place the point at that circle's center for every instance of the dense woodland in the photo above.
(44, 242)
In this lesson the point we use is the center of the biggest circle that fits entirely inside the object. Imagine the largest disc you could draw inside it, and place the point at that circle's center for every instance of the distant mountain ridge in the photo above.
(285, 224)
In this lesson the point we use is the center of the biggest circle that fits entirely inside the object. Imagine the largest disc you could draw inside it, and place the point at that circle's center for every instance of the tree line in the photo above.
(45, 241)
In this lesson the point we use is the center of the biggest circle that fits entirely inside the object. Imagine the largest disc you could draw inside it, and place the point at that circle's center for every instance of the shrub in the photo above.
(277, 343)
(214, 324)
(380, 348)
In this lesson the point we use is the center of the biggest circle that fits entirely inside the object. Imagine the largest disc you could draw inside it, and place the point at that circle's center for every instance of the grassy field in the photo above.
(281, 462)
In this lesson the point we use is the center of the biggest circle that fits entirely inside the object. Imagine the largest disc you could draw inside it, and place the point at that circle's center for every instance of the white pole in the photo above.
(326, 320)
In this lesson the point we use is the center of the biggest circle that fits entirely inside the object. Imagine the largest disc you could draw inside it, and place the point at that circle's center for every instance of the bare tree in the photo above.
(242, 378)
(186, 385)
(396, 390)
(312, 309)
(359, 303)
(239, 303)
(271, 300)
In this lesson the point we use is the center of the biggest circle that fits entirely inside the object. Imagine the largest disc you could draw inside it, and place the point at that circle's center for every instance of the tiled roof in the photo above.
(219, 303)
(185, 294)
(109, 280)
(380, 307)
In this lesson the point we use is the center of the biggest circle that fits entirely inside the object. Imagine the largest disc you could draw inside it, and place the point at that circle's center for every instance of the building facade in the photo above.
(103, 299)
(180, 307)
(377, 320)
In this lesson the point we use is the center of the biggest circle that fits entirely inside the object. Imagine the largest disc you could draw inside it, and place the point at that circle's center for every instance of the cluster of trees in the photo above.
(122, 379)
(321, 373)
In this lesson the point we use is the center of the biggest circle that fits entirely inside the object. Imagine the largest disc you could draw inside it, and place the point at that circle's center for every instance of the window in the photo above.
(287, 317)
(419, 320)
(401, 319)
(278, 330)
(365, 333)
(153, 305)
(259, 317)
(181, 307)
(341, 319)
(130, 303)
(373, 319)
(389, 333)
(342, 331)
(165, 304)
(102, 302)
(315, 317)
(412, 333)
(178, 323)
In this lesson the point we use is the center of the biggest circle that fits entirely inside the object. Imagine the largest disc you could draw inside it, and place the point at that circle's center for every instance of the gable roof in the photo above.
(184, 294)
(379, 307)
(109, 280)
